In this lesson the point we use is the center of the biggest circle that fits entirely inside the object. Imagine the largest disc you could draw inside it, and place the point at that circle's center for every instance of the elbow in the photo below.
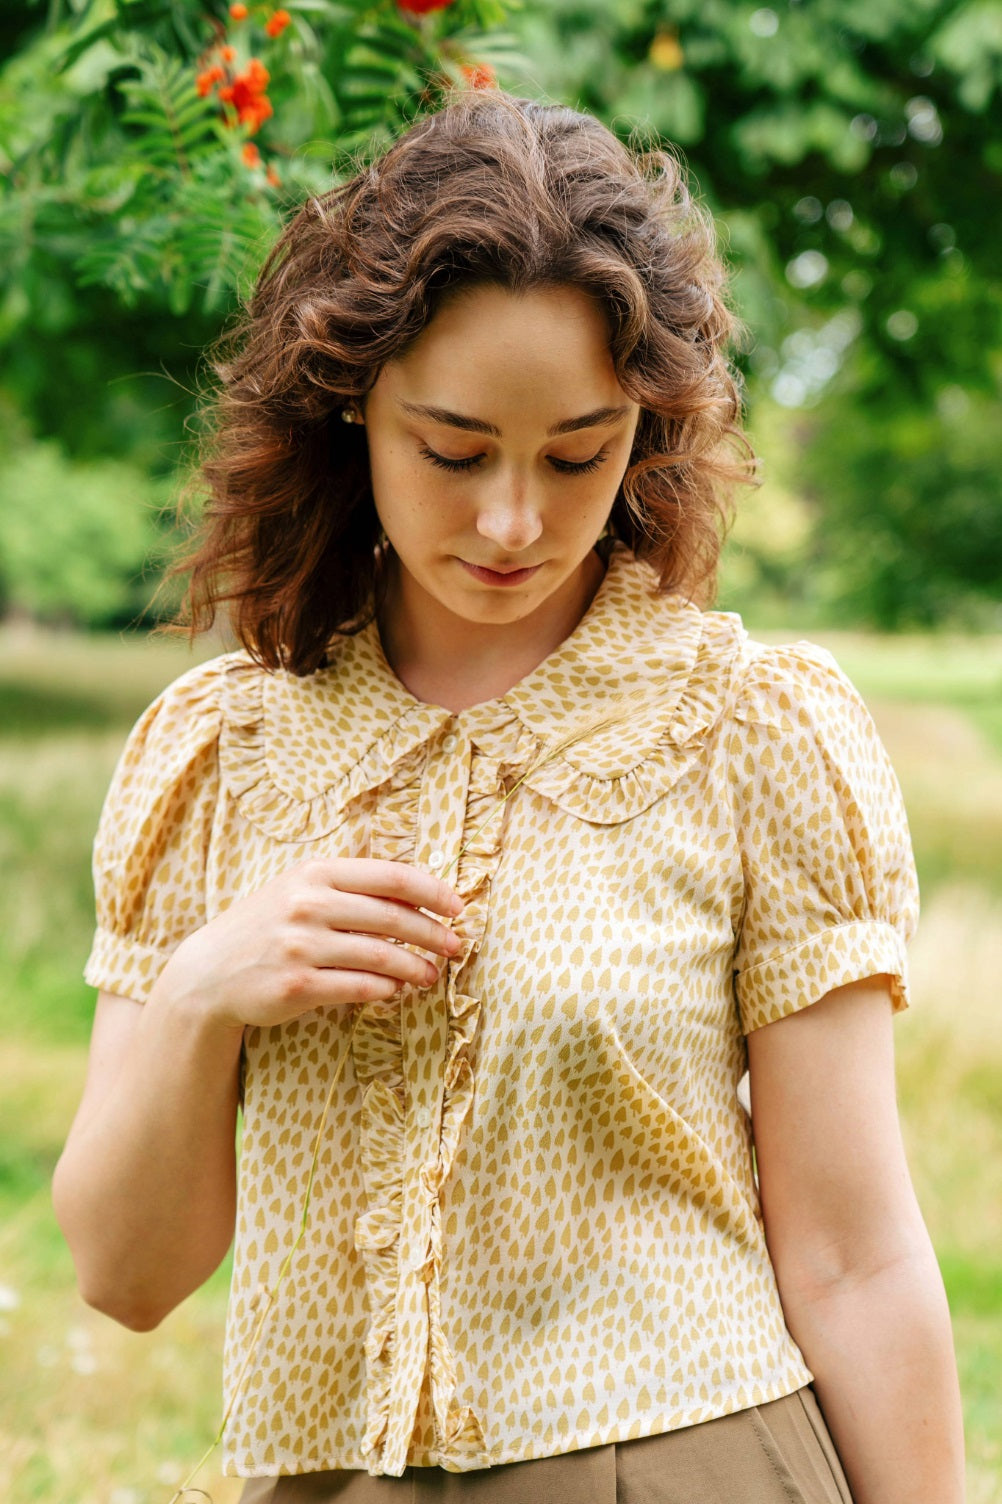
(835, 1267)
(131, 1314)
(131, 1306)
(101, 1287)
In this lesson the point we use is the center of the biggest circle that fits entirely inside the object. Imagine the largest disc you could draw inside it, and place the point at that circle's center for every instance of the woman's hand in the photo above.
(326, 932)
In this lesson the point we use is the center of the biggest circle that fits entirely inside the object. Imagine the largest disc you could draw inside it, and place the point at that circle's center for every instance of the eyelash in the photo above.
(564, 467)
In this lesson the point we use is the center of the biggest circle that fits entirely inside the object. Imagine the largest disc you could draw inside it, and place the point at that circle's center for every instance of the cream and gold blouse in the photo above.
(535, 1225)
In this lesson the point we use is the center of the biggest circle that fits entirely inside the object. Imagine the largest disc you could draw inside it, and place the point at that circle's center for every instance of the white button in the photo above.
(450, 743)
(436, 859)
(422, 1116)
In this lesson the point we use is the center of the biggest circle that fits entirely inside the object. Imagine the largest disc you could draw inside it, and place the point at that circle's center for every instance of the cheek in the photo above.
(397, 482)
(412, 507)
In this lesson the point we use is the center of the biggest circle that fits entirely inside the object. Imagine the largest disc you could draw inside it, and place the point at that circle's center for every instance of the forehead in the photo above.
(546, 349)
(501, 307)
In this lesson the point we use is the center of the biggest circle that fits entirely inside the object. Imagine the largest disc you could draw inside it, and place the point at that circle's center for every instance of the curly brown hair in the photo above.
(490, 188)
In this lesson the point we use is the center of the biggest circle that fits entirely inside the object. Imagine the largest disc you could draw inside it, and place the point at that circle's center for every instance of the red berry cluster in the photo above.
(246, 92)
(243, 93)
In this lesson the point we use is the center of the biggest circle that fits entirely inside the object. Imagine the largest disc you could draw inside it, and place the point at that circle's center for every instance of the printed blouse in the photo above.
(535, 1224)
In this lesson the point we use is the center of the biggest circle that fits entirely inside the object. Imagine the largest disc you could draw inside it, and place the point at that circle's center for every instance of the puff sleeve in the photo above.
(151, 846)
(830, 889)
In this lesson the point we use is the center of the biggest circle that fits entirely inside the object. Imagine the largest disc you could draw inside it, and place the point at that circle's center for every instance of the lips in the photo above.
(488, 576)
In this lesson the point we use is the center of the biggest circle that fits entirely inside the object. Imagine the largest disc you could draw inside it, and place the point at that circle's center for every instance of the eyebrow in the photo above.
(598, 418)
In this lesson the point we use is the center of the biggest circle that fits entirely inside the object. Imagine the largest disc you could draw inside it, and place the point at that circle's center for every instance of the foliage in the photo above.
(76, 537)
(886, 548)
(128, 161)
(853, 148)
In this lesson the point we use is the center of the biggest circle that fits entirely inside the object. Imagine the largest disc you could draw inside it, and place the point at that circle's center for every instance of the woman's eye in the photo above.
(444, 464)
(564, 467)
(568, 467)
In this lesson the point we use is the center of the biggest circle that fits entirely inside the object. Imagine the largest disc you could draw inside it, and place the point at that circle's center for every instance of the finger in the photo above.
(371, 953)
(386, 916)
(333, 988)
(397, 880)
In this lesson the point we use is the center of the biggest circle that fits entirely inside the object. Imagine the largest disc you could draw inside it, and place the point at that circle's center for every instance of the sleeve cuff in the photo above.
(807, 971)
(125, 967)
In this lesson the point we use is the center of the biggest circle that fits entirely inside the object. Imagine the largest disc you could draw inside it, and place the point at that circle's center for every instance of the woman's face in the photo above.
(499, 442)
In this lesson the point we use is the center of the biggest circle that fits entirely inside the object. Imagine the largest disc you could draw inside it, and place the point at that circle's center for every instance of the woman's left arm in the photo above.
(857, 1275)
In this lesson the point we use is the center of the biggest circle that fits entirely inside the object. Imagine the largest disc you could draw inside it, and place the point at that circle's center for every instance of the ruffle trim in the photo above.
(253, 776)
(606, 766)
(458, 1443)
(612, 764)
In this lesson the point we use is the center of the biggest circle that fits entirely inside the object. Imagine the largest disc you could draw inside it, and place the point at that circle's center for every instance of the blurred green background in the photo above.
(851, 151)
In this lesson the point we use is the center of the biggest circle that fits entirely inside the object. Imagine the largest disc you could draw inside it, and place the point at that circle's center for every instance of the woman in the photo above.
(496, 837)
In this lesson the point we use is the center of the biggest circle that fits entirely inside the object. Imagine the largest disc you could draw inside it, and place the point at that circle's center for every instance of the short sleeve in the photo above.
(831, 892)
(151, 846)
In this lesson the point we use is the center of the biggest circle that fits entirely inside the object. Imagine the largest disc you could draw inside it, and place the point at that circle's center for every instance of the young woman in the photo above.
(494, 834)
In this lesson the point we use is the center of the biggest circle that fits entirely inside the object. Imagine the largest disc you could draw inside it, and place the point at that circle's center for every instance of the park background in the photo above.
(851, 151)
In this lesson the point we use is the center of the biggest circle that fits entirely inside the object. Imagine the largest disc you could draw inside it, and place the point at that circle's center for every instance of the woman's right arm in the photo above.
(145, 1188)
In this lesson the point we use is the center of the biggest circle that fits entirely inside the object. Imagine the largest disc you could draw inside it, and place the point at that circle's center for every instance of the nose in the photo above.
(510, 520)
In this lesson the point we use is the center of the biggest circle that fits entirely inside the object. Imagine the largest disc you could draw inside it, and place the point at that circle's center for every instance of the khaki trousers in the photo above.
(778, 1453)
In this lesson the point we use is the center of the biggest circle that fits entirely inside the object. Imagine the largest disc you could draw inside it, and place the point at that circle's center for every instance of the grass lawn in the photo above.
(93, 1414)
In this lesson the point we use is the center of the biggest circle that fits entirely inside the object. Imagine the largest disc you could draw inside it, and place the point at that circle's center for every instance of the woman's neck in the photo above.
(444, 659)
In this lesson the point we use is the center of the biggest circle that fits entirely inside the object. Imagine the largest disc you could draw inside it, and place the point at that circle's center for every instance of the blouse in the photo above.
(535, 1225)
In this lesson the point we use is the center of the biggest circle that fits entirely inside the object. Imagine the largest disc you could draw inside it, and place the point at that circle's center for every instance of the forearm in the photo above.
(145, 1189)
(881, 1351)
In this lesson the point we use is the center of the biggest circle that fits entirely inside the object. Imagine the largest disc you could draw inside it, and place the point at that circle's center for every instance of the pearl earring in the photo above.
(349, 416)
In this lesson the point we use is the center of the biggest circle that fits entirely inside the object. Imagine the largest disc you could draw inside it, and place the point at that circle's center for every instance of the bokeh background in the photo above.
(851, 151)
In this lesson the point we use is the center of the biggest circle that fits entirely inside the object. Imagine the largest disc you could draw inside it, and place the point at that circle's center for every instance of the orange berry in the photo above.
(203, 83)
(239, 12)
(227, 54)
(273, 177)
(251, 155)
(479, 75)
(255, 112)
(277, 22)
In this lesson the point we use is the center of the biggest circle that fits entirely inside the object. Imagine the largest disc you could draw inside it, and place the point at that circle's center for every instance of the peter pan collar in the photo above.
(603, 726)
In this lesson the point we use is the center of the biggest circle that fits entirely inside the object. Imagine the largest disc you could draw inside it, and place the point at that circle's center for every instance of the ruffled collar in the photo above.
(641, 676)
